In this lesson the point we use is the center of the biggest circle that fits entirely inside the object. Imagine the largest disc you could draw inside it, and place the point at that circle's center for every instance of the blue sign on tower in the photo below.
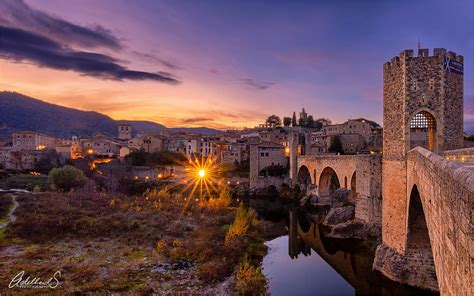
(451, 65)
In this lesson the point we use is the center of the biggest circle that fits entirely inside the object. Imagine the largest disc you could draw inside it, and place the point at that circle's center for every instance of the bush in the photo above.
(137, 158)
(249, 280)
(165, 157)
(276, 170)
(222, 202)
(243, 219)
(48, 161)
(25, 181)
(66, 178)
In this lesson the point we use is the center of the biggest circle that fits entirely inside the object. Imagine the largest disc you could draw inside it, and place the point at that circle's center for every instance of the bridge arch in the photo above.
(328, 181)
(304, 176)
(418, 237)
(354, 185)
(423, 130)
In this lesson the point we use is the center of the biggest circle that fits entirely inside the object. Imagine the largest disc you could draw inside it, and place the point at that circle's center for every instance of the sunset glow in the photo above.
(183, 63)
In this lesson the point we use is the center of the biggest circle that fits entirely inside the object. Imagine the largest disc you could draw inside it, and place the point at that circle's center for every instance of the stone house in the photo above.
(262, 156)
(148, 142)
(356, 135)
(19, 159)
(27, 140)
(101, 146)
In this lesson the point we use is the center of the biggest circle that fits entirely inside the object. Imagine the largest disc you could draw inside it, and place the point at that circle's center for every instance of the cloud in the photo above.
(153, 58)
(256, 85)
(16, 13)
(19, 45)
(197, 119)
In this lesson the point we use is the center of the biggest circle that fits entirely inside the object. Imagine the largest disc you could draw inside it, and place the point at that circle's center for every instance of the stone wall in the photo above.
(460, 155)
(446, 191)
(264, 182)
(273, 154)
(369, 189)
(447, 194)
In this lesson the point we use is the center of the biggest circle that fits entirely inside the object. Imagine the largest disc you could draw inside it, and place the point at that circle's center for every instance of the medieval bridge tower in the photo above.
(423, 106)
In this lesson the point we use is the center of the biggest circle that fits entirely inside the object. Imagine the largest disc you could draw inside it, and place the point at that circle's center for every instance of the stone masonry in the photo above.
(414, 84)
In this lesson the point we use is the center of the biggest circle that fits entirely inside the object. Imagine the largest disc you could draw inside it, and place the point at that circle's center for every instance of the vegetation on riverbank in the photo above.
(158, 242)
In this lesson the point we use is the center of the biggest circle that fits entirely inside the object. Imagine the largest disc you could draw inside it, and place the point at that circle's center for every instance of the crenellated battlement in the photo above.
(423, 53)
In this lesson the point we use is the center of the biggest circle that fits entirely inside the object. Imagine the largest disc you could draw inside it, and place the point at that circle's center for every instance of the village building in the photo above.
(263, 156)
(355, 135)
(27, 140)
(124, 131)
(148, 142)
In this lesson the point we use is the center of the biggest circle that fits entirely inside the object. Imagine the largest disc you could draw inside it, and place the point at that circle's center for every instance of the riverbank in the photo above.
(160, 242)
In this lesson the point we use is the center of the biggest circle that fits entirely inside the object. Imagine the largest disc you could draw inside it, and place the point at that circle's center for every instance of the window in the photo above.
(431, 83)
(422, 121)
(262, 154)
(266, 154)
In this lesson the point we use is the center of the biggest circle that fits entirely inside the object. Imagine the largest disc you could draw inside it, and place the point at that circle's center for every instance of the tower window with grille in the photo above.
(422, 120)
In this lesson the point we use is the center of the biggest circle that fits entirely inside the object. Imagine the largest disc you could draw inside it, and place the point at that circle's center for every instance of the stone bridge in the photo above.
(433, 227)
(359, 173)
(425, 179)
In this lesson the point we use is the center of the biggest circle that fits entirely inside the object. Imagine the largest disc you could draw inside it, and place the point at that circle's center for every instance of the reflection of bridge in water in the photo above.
(349, 258)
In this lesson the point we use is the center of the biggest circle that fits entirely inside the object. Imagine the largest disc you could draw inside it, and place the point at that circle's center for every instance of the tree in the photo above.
(293, 119)
(336, 145)
(310, 121)
(66, 178)
(137, 158)
(317, 125)
(325, 121)
(273, 120)
(302, 122)
(48, 161)
(286, 121)
(276, 170)
(165, 157)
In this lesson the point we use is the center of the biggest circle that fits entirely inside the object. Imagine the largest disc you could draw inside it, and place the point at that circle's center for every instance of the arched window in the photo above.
(423, 131)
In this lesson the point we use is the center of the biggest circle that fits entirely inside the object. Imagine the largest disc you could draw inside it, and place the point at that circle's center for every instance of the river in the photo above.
(304, 262)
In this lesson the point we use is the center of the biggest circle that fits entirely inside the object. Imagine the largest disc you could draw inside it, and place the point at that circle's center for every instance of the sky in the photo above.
(222, 64)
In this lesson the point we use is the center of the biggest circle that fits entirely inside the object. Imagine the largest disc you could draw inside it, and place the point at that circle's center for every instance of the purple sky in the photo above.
(225, 63)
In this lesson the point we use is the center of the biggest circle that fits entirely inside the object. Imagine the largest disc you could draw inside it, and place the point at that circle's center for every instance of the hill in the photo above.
(19, 112)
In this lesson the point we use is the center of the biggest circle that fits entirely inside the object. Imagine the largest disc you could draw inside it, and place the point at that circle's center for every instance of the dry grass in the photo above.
(250, 280)
(159, 242)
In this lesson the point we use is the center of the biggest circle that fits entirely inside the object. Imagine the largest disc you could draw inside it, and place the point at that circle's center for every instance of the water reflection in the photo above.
(305, 262)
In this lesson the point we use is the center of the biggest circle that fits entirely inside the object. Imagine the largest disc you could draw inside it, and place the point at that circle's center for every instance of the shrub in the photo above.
(249, 280)
(66, 178)
(24, 181)
(48, 161)
(222, 202)
(137, 158)
(276, 170)
(165, 157)
(243, 219)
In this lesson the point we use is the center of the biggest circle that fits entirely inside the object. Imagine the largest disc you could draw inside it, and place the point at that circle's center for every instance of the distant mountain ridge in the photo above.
(19, 112)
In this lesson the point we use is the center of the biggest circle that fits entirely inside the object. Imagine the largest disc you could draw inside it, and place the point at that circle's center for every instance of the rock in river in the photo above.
(339, 215)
